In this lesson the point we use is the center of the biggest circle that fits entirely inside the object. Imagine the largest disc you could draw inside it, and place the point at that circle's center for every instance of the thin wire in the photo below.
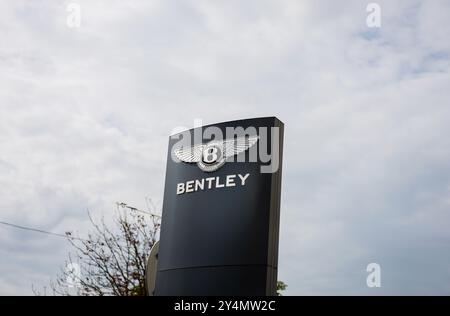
(131, 208)
(40, 231)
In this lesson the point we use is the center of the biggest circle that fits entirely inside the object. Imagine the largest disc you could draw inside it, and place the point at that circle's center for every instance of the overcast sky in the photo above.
(85, 115)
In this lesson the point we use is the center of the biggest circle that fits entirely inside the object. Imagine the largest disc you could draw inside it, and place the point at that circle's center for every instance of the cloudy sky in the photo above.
(85, 115)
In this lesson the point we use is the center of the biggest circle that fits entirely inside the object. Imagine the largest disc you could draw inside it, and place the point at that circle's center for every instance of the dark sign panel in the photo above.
(220, 221)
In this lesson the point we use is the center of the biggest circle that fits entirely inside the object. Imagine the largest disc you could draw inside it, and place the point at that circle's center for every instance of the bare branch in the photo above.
(112, 260)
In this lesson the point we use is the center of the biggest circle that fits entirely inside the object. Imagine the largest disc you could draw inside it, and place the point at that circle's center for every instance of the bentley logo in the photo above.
(211, 156)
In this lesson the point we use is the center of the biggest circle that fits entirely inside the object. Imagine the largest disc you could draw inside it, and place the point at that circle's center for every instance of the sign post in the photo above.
(221, 210)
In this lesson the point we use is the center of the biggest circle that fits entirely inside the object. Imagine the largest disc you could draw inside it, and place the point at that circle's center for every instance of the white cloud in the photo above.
(85, 116)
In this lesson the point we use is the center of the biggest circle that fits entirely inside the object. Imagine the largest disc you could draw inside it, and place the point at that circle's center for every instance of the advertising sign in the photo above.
(221, 210)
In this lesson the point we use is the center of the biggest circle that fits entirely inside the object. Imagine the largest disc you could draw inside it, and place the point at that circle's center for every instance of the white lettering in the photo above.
(190, 186)
(230, 180)
(243, 178)
(209, 182)
(74, 18)
(199, 184)
(218, 185)
(374, 18)
(186, 306)
(180, 188)
(212, 183)
(374, 277)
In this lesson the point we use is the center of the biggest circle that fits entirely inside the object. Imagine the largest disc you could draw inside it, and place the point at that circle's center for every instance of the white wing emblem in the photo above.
(211, 156)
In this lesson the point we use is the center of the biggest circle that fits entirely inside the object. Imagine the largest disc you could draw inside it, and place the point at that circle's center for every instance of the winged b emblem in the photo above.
(211, 156)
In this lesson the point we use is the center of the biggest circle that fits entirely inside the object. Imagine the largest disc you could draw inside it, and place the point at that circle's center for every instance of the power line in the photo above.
(131, 208)
(36, 230)
(39, 231)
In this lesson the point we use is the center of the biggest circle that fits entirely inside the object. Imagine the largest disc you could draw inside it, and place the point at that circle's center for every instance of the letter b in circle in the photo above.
(211, 154)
